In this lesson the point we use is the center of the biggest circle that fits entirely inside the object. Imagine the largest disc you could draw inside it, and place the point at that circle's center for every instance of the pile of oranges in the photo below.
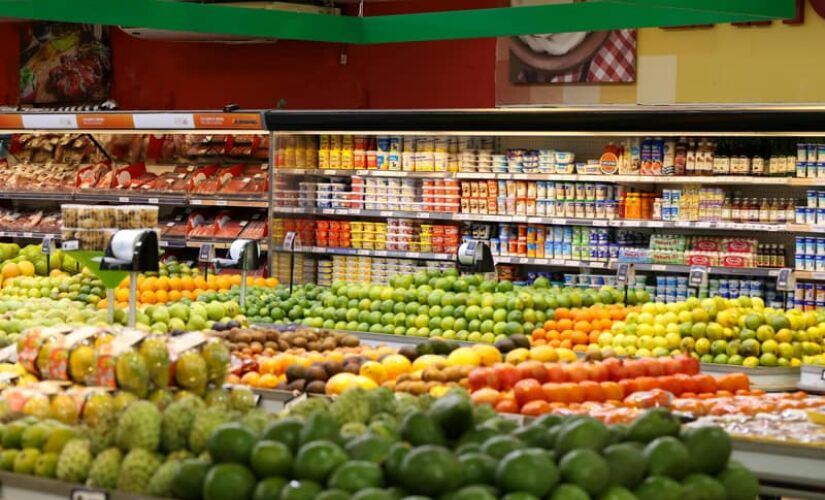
(577, 328)
(163, 289)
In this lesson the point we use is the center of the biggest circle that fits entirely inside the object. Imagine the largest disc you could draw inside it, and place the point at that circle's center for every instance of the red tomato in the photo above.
(646, 384)
(733, 382)
(483, 377)
(628, 386)
(688, 384)
(554, 392)
(689, 364)
(555, 373)
(633, 369)
(615, 369)
(597, 372)
(507, 406)
(592, 391)
(613, 391)
(507, 375)
(573, 392)
(705, 383)
(535, 408)
(576, 372)
(671, 365)
(652, 367)
(671, 384)
(528, 390)
(534, 370)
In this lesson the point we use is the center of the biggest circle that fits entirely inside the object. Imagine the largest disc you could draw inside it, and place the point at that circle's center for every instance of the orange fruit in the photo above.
(175, 296)
(395, 365)
(187, 283)
(223, 282)
(102, 303)
(162, 296)
(199, 282)
(196, 292)
(148, 284)
(268, 381)
(10, 270)
(260, 282)
(148, 297)
(251, 378)
(175, 283)
(186, 294)
(162, 283)
(122, 294)
(235, 279)
(271, 282)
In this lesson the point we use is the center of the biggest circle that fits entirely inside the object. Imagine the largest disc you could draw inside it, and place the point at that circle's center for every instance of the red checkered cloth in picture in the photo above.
(615, 61)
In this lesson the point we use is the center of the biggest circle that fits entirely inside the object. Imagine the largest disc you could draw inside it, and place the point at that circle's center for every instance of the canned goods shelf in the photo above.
(771, 379)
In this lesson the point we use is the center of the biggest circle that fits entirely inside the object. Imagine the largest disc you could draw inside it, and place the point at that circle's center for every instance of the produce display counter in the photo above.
(395, 341)
(777, 379)
(812, 379)
(784, 470)
(25, 487)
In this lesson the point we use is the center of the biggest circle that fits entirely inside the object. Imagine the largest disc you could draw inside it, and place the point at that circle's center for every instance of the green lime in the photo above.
(271, 458)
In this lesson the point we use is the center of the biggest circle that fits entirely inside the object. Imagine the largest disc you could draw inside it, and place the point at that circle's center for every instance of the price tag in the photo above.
(558, 222)
(658, 267)
(698, 276)
(822, 375)
(411, 255)
(296, 400)
(362, 252)
(534, 220)
(655, 223)
(625, 274)
(380, 253)
(221, 203)
(196, 202)
(28, 235)
(70, 245)
(327, 211)
(385, 213)
(424, 215)
(523, 260)
(600, 223)
(46, 247)
(163, 244)
(88, 494)
(289, 240)
(153, 201)
(4, 234)
(123, 199)
(786, 280)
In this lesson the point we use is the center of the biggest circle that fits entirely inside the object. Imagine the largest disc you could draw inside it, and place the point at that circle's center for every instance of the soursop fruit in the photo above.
(191, 372)
(137, 469)
(132, 374)
(75, 461)
(161, 483)
(123, 400)
(205, 422)
(102, 436)
(98, 408)
(105, 469)
(217, 397)
(256, 420)
(351, 406)
(177, 423)
(139, 427)
(162, 398)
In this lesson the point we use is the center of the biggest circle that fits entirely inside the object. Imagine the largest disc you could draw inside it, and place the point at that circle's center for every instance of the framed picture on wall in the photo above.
(579, 57)
(64, 63)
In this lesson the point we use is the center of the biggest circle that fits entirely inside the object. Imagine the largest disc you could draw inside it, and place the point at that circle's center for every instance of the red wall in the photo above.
(169, 75)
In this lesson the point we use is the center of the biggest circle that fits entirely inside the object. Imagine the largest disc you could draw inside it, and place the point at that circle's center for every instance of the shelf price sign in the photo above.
(206, 254)
(698, 276)
(786, 280)
(625, 274)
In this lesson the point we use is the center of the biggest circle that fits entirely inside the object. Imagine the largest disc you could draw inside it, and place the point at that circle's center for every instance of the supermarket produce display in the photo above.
(363, 364)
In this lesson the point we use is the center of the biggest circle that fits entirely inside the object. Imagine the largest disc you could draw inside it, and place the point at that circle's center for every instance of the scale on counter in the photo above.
(134, 251)
(625, 275)
(244, 255)
(475, 257)
(292, 243)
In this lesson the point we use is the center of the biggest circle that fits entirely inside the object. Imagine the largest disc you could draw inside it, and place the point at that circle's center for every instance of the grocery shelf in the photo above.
(784, 470)
(143, 199)
(28, 234)
(613, 179)
(371, 253)
(229, 202)
(771, 379)
(26, 487)
(531, 219)
(219, 244)
(810, 275)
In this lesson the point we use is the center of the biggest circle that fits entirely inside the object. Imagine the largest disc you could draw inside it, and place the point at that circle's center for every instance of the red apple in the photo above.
(507, 375)
(534, 370)
(555, 373)
(483, 377)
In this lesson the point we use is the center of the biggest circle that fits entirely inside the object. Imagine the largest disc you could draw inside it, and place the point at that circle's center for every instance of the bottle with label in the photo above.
(690, 159)
(790, 210)
(759, 158)
(753, 212)
(727, 209)
(680, 156)
(790, 157)
(736, 210)
(764, 211)
(777, 212)
(721, 160)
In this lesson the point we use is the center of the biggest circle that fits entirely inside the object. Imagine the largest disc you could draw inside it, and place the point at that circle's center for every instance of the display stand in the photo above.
(110, 279)
(784, 470)
(777, 379)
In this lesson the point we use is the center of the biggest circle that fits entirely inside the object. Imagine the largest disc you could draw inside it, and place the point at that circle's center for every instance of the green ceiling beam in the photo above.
(449, 25)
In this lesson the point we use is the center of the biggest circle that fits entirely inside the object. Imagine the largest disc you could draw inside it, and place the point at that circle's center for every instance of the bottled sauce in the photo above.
(722, 160)
(727, 209)
(753, 210)
(790, 210)
(690, 159)
(736, 210)
(759, 155)
(680, 156)
(765, 211)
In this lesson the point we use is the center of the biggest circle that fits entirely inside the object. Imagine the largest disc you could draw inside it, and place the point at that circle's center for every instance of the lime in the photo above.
(317, 459)
(709, 448)
(587, 469)
(478, 468)
(586, 432)
(627, 464)
(356, 475)
(231, 442)
(430, 470)
(667, 456)
(286, 430)
(702, 487)
(659, 488)
(271, 458)
(530, 470)
(189, 481)
(228, 480)
(269, 488)
(569, 492)
(300, 490)
(739, 483)
(499, 446)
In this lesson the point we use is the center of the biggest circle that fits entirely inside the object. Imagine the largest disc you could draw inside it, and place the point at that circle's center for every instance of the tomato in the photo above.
(652, 367)
(612, 391)
(688, 383)
(592, 391)
(689, 365)
(554, 392)
(633, 369)
(573, 392)
(485, 395)
(528, 390)
(535, 408)
(628, 386)
(705, 383)
(507, 375)
(555, 373)
(483, 377)
(576, 372)
(733, 382)
(671, 366)
(671, 384)
(532, 369)
(646, 384)
(507, 406)
(597, 372)
(615, 369)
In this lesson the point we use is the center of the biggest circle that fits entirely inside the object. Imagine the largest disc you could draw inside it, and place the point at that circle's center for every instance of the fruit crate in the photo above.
(812, 379)
(25, 487)
(770, 379)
